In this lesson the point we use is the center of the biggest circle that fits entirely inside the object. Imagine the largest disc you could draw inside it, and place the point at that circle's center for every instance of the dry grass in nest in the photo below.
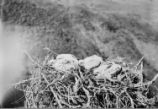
(49, 87)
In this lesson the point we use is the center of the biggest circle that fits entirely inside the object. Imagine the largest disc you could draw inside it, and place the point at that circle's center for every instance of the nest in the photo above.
(80, 87)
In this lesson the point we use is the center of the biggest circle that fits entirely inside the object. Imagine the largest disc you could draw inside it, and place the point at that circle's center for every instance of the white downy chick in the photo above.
(65, 62)
(106, 70)
(91, 62)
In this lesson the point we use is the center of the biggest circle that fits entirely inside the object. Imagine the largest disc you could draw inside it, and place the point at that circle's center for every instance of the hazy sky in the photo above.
(11, 59)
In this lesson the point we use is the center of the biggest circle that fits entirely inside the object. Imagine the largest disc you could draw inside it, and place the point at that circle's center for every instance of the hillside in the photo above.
(81, 31)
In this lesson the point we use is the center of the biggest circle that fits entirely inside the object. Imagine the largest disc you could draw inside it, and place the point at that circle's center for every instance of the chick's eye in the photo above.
(109, 66)
(67, 62)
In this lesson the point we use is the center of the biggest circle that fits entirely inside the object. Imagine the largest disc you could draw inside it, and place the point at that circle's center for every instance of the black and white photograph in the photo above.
(79, 54)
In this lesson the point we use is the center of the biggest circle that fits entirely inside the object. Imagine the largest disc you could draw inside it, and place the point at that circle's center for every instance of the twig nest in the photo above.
(65, 62)
(107, 71)
(139, 72)
(119, 85)
(91, 62)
